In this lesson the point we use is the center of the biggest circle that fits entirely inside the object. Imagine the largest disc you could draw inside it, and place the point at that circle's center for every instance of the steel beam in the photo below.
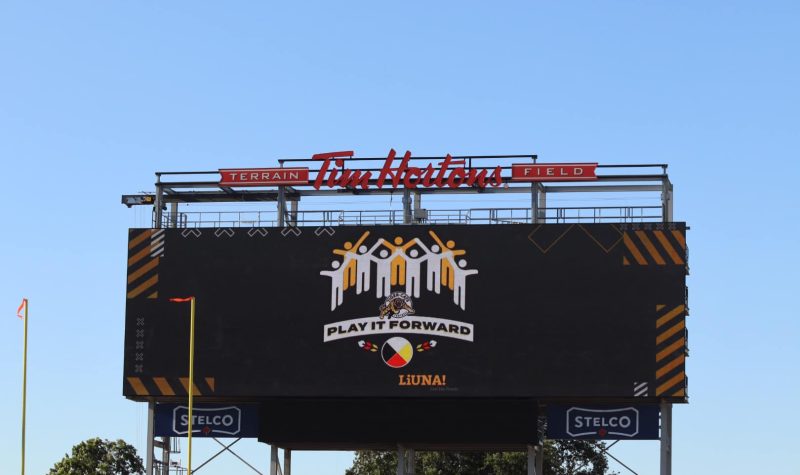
(287, 462)
(151, 410)
(273, 460)
(666, 438)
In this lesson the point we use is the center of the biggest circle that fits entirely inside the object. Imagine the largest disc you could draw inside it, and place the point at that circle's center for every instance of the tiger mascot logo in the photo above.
(397, 305)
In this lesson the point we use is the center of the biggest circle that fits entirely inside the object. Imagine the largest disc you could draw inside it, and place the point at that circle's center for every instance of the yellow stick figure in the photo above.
(447, 268)
(398, 264)
(349, 252)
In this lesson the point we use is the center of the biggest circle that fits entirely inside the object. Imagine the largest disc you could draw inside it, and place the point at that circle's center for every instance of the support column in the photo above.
(417, 207)
(666, 200)
(281, 206)
(151, 410)
(538, 203)
(173, 214)
(158, 203)
(287, 462)
(406, 206)
(666, 438)
(411, 458)
(542, 203)
(532, 460)
(401, 460)
(165, 455)
(273, 460)
(540, 459)
(293, 213)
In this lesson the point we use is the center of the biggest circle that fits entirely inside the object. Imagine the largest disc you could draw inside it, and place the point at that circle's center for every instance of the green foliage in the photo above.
(100, 457)
(567, 457)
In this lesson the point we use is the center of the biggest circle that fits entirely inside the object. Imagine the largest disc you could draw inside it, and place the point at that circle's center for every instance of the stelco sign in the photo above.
(207, 420)
(397, 172)
(637, 422)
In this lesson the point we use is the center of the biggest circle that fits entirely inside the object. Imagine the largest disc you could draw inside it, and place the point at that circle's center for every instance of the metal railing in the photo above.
(565, 214)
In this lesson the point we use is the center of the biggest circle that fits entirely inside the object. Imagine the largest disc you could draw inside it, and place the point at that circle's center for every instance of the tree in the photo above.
(561, 457)
(100, 457)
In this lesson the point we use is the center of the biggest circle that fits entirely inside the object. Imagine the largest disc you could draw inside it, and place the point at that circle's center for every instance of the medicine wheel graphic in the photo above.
(397, 352)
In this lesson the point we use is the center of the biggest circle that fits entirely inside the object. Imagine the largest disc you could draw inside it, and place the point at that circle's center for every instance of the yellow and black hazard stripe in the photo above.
(654, 247)
(145, 251)
(161, 386)
(671, 350)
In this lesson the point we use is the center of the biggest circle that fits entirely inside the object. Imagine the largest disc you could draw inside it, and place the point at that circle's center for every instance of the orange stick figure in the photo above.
(398, 264)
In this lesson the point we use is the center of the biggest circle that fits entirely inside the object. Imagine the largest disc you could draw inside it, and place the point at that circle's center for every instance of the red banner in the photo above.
(553, 172)
(263, 176)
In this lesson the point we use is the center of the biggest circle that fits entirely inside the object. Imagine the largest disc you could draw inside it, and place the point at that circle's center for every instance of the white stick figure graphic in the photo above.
(383, 272)
(413, 264)
(365, 258)
(460, 282)
(337, 281)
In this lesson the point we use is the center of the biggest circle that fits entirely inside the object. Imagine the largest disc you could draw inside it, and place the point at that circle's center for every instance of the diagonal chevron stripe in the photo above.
(138, 386)
(195, 389)
(634, 250)
(670, 366)
(668, 247)
(680, 238)
(138, 256)
(670, 349)
(143, 286)
(678, 378)
(670, 315)
(670, 331)
(138, 239)
(164, 387)
(650, 248)
(142, 270)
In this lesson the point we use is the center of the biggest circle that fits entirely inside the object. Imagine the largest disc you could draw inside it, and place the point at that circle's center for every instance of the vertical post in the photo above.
(540, 459)
(417, 206)
(532, 460)
(542, 204)
(411, 458)
(401, 460)
(151, 410)
(534, 203)
(165, 455)
(273, 460)
(666, 200)
(666, 438)
(173, 214)
(191, 384)
(287, 462)
(158, 203)
(281, 206)
(24, 377)
(406, 206)
(293, 213)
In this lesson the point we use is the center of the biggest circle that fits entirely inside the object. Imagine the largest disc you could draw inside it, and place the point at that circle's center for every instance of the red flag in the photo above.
(178, 299)
(22, 306)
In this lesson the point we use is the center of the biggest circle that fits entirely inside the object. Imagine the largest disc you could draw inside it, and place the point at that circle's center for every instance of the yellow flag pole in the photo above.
(24, 379)
(191, 382)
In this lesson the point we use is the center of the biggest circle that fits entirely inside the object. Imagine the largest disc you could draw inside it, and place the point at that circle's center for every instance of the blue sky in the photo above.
(96, 96)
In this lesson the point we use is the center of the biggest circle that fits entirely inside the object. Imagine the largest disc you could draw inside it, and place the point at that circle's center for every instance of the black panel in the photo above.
(556, 311)
(385, 422)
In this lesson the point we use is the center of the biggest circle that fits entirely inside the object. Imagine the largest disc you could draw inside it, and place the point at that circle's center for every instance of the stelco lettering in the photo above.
(203, 420)
(598, 421)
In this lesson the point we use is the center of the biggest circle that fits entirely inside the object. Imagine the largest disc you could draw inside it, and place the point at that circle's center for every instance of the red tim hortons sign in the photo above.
(397, 172)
